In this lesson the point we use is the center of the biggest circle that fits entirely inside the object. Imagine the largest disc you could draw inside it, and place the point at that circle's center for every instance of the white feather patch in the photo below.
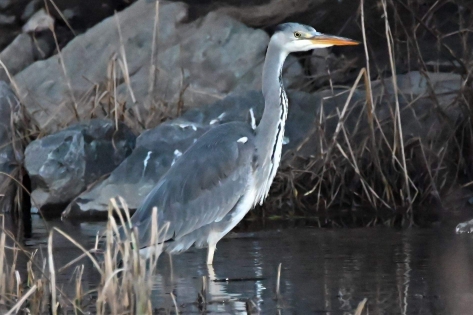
(218, 119)
(253, 120)
(242, 140)
(145, 162)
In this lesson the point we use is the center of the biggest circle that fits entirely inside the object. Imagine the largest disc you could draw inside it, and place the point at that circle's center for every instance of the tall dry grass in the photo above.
(124, 278)
(367, 170)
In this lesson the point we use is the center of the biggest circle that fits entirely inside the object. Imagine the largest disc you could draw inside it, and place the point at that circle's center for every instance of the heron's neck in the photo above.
(270, 131)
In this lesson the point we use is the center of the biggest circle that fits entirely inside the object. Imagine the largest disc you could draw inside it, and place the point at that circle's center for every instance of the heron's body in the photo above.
(228, 170)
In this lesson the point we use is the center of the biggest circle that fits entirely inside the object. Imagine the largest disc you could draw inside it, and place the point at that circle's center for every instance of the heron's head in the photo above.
(294, 37)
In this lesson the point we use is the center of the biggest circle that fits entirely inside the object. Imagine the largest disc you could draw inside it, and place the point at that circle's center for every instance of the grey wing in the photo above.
(203, 185)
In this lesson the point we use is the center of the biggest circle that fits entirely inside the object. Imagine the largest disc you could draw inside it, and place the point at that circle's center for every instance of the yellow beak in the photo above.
(323, 39)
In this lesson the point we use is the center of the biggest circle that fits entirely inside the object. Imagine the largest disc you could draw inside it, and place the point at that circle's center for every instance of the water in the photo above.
(324, 271)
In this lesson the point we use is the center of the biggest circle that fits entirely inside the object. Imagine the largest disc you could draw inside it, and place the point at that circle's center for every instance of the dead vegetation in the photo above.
(376, 166)
(124, 278)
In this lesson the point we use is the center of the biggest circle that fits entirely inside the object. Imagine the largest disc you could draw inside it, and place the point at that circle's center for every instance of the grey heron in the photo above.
(230, 168)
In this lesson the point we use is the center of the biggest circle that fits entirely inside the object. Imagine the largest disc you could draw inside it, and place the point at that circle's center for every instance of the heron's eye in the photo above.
(297, 34)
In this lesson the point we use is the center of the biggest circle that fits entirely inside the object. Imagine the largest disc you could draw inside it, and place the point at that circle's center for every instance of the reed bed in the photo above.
(124, 277)
(368, 170)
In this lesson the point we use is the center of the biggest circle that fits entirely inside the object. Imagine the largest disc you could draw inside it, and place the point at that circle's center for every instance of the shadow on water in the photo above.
(324, 271)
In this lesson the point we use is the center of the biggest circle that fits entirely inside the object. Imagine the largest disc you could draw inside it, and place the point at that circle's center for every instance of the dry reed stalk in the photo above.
(122, 289)
(361, 306)
(12, 81)
(64, 71)
(338, 128)
(78, 287)
(154, 51)
(2, 262)
(398, 132)
(278, 281)
(52, 274)
(63, 17)
(115, 101)
(124, 63)
(16, 308)
(369, 97)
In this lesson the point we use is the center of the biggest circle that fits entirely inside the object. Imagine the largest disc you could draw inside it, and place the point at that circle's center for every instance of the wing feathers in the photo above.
(203, 185)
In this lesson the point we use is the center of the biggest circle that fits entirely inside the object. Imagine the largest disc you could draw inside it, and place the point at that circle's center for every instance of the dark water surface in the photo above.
(324, 271)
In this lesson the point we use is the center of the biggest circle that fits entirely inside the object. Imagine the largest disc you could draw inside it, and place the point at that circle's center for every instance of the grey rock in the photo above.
(62, 165)
(330, 69)
(10, 149)
(464, 227)
(197, 62)
(10, 12)
(83, 14)
(40, 21)
(7, 19)
(17, 56)
(271, 12)
(4, 4)
(30, 9)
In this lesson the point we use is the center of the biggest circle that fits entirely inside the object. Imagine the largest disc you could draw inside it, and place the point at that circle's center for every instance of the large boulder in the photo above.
(22, 52)
(10, 19)
(464, 227)
(10, 147)
(62, 165)
(262, 13)
(189, 63)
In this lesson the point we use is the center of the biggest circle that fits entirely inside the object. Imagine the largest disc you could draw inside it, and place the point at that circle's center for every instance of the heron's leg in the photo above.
(171, 267)
(210, 253)
(211, 272)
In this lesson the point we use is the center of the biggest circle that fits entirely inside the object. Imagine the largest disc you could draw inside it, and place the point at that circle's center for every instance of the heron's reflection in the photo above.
(198, 289)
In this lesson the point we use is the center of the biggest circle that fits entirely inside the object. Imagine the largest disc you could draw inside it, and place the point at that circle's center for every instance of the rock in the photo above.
(464, 227)
(329, 69)
(7, 19)
(25, 48)
(62, 165)
(17, 56)
(22, 52)
(257, 13)
(10, 23)
(197, 63)
(39, 21)
(30, 9)
(4, 4)
(83, 14)
(444, 86)
(10, 149)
